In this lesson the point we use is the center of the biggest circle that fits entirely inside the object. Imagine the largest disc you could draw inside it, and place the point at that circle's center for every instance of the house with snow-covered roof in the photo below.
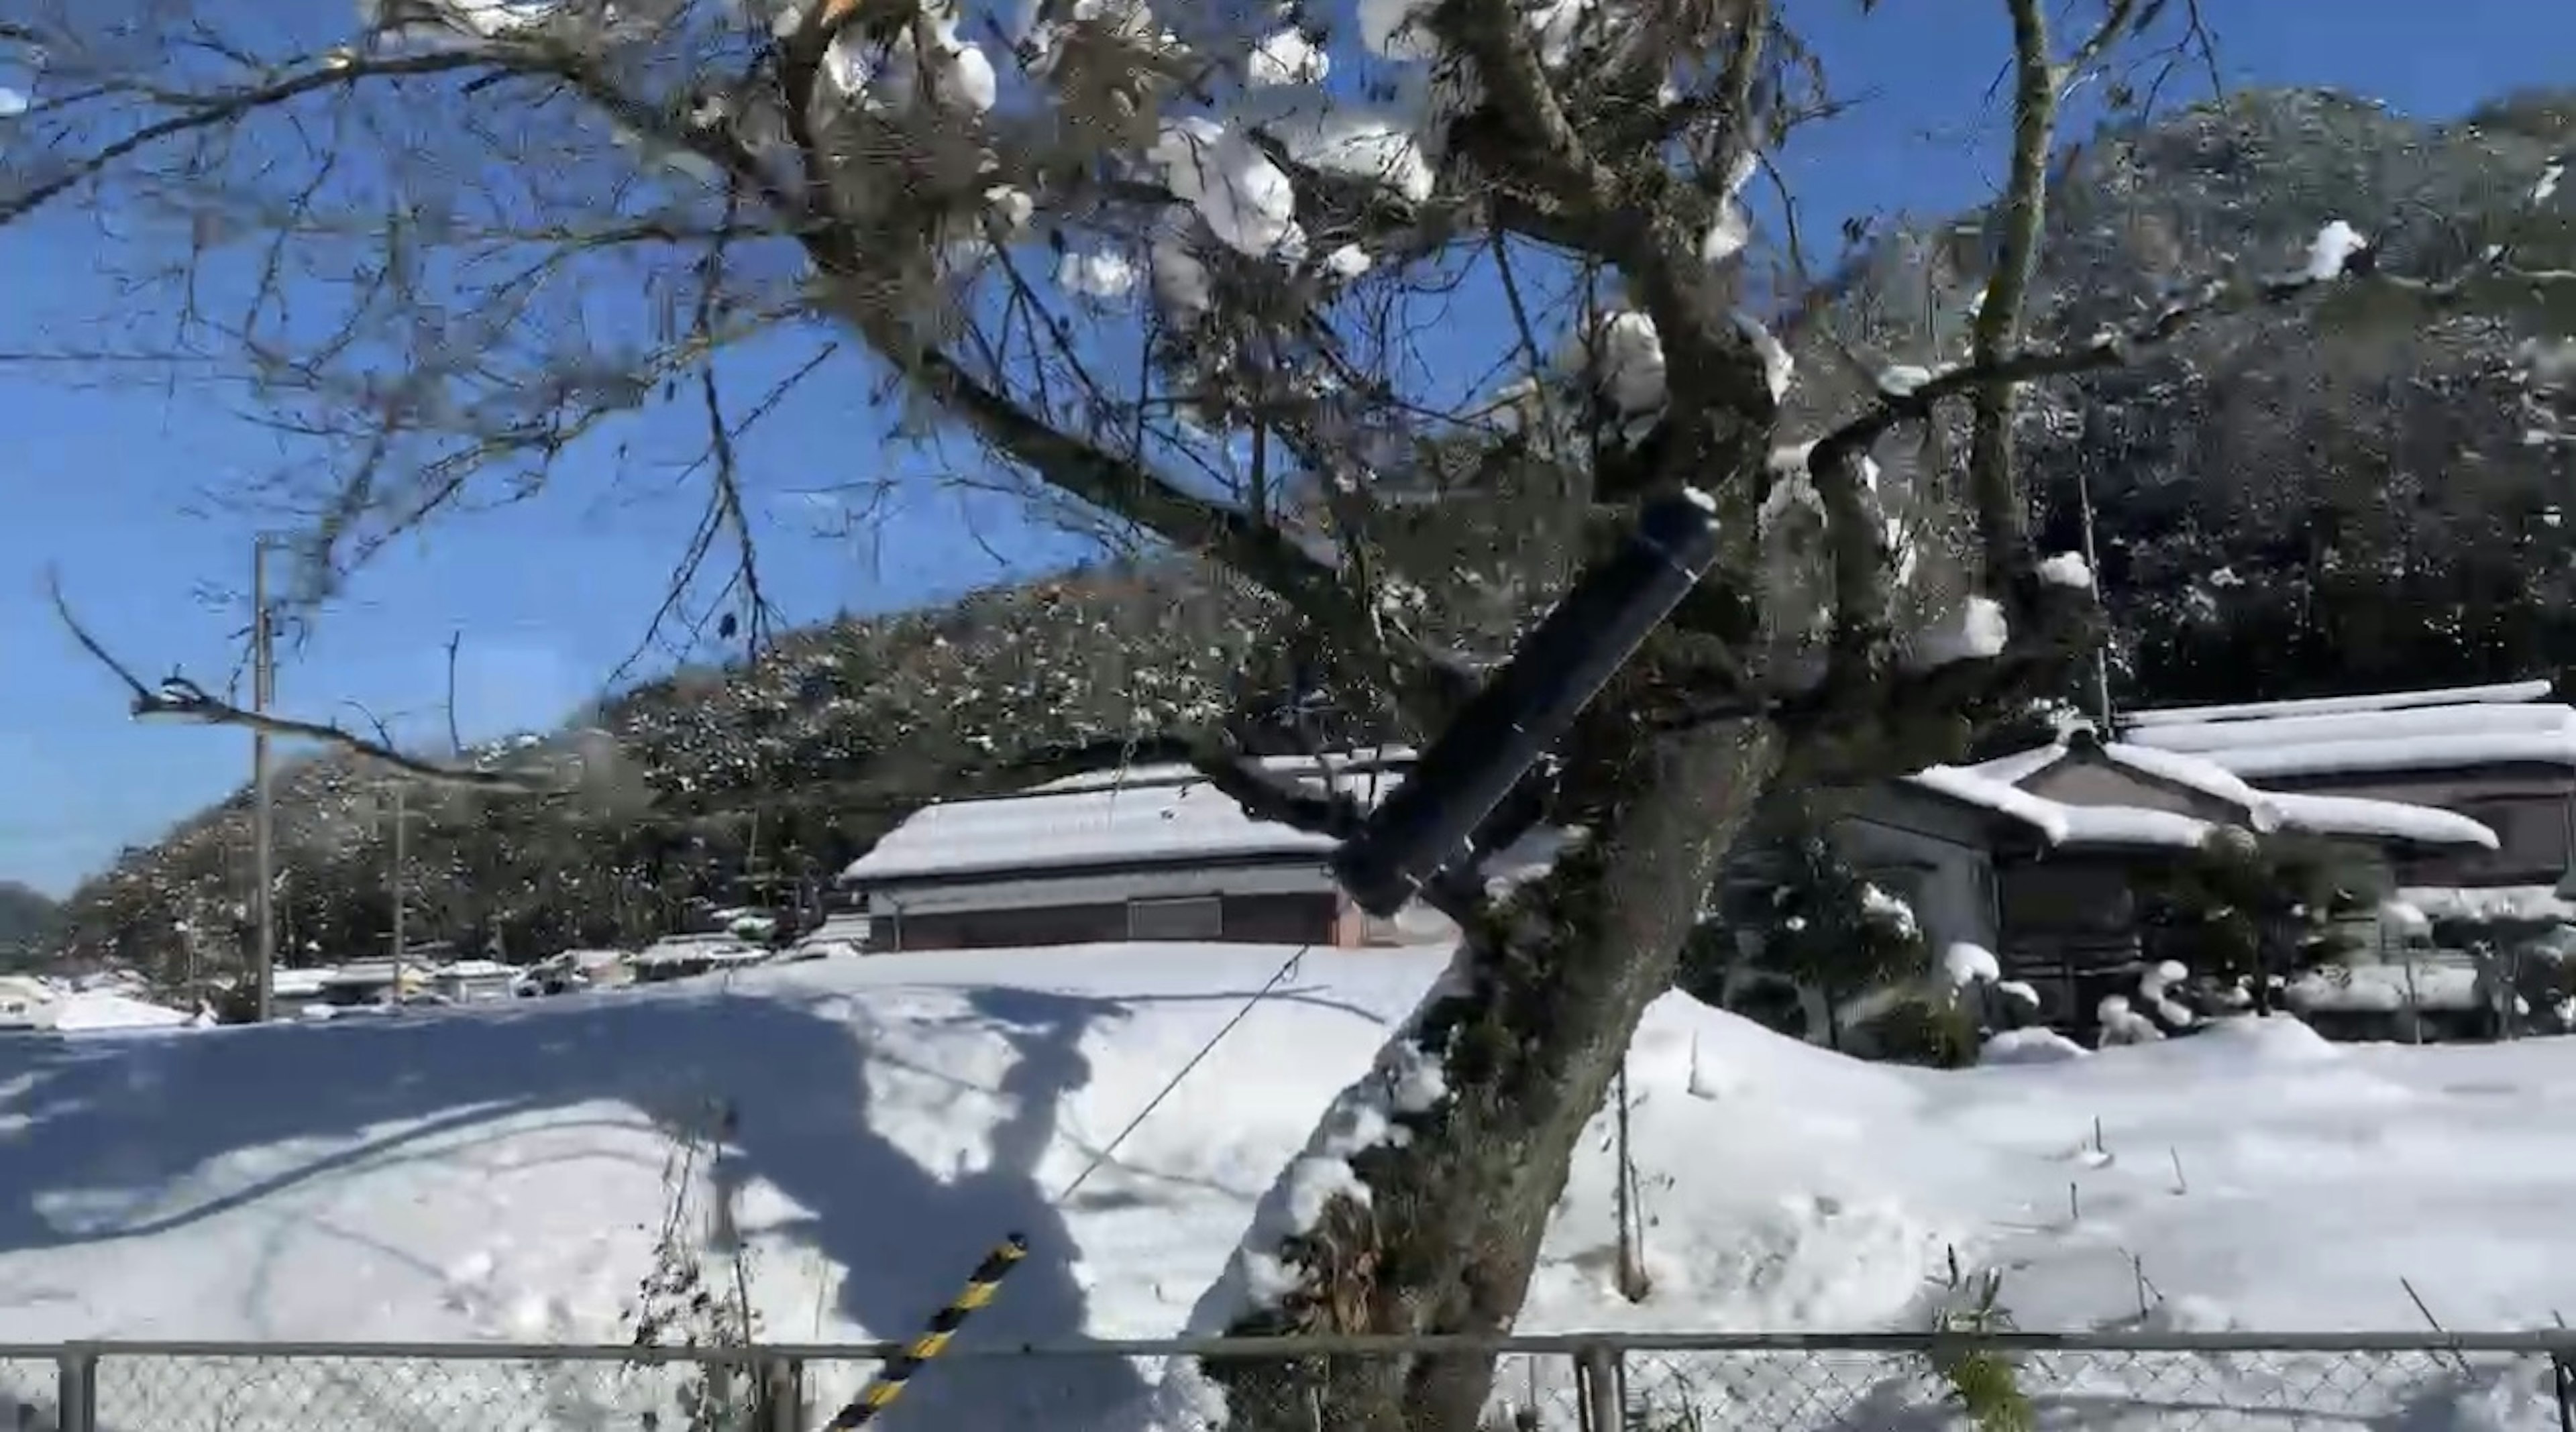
(2502, 755)
(2037, 855)
(1143, 853)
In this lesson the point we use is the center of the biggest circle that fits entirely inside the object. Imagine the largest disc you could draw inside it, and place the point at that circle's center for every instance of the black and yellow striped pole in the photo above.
(891, 1379)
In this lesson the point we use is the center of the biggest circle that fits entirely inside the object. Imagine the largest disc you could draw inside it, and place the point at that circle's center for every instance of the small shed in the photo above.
(1151, 853)
(369, 981)
(294, 987)
(463, 980)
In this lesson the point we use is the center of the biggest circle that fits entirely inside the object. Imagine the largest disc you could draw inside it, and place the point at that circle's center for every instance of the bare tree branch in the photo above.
(337, 71)
(1315, 808)
(1991, 489)
(181, 698)
(2489, 286)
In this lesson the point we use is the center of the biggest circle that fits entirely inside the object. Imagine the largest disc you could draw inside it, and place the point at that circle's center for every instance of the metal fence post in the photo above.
(76, 1389)
(1598, 1366)
(782, 1391)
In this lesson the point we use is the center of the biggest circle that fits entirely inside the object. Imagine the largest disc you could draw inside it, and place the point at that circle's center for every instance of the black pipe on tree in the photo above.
(1426, 824)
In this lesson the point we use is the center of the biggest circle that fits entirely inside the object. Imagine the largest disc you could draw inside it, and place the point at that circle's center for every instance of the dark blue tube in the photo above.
(1525, 707)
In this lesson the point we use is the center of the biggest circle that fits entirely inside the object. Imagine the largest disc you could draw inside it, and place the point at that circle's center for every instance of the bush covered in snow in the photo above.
(2510, 951)
(1800, 938)
(2242, 913)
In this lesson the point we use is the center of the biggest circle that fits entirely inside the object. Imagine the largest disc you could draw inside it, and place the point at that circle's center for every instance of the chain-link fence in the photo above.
(1603, 1383)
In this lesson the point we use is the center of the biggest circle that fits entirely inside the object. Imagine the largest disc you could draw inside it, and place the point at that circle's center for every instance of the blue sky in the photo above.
(105, 476)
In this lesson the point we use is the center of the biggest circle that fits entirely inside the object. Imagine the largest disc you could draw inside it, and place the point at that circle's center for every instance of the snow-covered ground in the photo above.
(499, 1172)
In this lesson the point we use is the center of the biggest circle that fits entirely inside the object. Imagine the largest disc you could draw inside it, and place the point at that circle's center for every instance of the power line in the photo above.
(1109, 1150)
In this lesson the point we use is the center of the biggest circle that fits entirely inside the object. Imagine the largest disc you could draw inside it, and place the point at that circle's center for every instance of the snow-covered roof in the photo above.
(2388, 820)
(1996, 785)
(582, 960)
(1356, 766)
(370, 972)
(2189, 772)
(2509, 693)
(696, 949)
(2065, 825)
(1061, 829)
(2496, 725)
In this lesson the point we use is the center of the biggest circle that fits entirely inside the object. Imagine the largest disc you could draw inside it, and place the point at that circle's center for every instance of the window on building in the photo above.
(1192, 917)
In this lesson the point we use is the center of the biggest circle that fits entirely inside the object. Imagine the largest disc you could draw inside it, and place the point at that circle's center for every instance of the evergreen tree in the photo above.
(2239, 912)
(1811, 924)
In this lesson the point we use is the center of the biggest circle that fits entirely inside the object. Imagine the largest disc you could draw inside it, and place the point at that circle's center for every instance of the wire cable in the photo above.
(1109, 1151)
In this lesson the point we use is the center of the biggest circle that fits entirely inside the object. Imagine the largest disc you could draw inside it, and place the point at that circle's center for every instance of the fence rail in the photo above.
(1662, 1382)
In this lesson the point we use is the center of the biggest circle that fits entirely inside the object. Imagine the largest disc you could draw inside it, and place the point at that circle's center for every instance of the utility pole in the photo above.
(402, 859)
(263, 850)
(2102, 649)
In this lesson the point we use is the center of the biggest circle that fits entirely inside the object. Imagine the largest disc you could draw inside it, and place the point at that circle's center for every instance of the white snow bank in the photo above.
(2484, 903)
(493, 1172)
(2386, 989)
(90, 1010)
(2030, 1046)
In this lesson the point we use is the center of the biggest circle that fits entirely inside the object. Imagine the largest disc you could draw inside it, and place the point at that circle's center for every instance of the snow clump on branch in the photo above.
(1405, 1082)
(928, 52)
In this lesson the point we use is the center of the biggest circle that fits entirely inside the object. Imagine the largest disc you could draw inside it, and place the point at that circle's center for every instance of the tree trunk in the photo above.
(1529, 1033)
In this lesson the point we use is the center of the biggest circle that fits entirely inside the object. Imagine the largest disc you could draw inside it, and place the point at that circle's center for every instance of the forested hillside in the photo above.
(28, 921)
(791, 764)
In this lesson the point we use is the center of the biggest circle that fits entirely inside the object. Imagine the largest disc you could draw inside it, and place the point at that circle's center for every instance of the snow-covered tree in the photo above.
(1807, 934)
(1192, 271)
(2244, 915)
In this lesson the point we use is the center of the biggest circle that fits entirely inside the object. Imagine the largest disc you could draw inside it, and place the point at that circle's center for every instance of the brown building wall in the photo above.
(1303, 919)
(2070, 933)
(989, 929)
(1296, 919)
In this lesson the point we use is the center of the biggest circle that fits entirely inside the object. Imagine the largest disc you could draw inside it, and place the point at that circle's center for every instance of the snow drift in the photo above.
(498, 1173)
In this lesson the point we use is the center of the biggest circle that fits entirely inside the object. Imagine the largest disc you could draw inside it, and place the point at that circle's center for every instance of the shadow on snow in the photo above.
(139, 1113)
